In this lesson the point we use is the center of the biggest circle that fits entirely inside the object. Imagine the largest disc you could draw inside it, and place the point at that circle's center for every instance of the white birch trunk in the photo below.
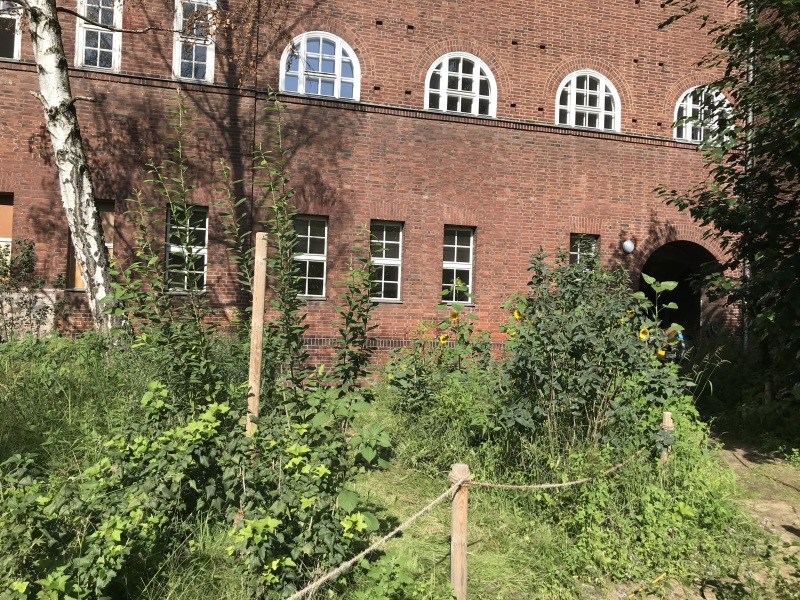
(77, 192)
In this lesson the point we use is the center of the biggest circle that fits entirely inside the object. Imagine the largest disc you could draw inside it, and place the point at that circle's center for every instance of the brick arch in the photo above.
(663, 234)
(587, 61)
(426, 58)
(329, 25)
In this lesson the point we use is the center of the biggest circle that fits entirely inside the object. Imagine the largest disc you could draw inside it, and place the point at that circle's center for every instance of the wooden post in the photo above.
(666, 425)
(458, 533)
(257, 329)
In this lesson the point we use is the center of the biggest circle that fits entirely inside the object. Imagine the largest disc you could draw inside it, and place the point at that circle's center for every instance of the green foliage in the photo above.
(750, 199)
(24, 308)
(582, 385)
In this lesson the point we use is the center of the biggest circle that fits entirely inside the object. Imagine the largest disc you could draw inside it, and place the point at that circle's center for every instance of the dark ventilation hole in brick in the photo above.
(379, 23)
(408, 92)
(541, 109)
(659, 124)
(634, 120)
(542, 46)
(514, 42)
(377, 88)
(663, 5)
(513, 105)
(636, 60)
(410, 28)
(636, 1)
(661, 64)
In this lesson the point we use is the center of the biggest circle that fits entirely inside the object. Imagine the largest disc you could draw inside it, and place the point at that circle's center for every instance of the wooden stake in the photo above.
(458, 533)
(666, 425)
(257, 329)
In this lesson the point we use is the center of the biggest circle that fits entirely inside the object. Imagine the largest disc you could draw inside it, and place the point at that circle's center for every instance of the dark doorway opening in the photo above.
(687, 263)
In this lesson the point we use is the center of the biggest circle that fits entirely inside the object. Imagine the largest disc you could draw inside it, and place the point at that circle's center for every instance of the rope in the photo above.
(549, 486)
(318, 583)
(315, 585)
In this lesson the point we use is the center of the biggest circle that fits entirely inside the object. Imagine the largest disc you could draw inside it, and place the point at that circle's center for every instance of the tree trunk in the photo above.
(77, 192)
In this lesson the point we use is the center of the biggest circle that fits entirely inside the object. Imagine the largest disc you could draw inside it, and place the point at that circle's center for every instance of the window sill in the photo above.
(386, 301)
(312, 298)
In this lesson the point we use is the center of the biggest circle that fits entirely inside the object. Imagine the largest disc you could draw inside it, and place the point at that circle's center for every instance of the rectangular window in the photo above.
(6, 220)
(386, 248)
(311, 255)
(193, 53)
(187, 248)
(74, 275)
(457, 264)
(582, 247)
(10, 33)
(96, 46)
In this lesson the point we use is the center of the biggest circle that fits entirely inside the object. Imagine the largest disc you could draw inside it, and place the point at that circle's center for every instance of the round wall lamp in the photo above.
(628, 246)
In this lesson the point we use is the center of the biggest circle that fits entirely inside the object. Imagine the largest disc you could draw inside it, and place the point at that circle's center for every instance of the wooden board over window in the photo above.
(6, 216)
(74, 276)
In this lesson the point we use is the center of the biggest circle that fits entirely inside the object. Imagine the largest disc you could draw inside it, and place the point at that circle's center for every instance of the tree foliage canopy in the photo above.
(751, 197)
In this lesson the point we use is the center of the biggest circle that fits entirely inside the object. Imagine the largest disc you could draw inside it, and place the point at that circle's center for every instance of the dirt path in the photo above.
(771, 489)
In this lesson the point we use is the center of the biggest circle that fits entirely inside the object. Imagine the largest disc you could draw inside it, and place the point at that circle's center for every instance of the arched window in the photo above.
(461, 83)
(321, 64)
(588, 99)
(700, 111)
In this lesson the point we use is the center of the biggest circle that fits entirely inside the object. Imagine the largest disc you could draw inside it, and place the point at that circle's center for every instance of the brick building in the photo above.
(464, 134)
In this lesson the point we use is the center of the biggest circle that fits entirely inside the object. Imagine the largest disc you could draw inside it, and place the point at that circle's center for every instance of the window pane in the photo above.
(466, 105)
(580, 99)
(580, 119)
(391, 290)
(483, 107)
(466, 84)
(346, 90)
(452, 82)
(90, 57)
(452, 103)
(392, 233)
(563, 117)
(316, 227)
(391, 273)
(316, 268)
(462, 276)
(467, 66)
(391, 251)
(201, 53)
(453, 65)
(593, 83)
(8, 32)
(608, 122)
(327, 87)
(564, 100)
(347, 68)
(312, 64)
(105, 59)
(315, 287)
(462, 255)
(449, 254)
(435, 81)
(312, 45)
(106, 41)
(316, 246)
(448, 277)
(91, 38)
(328, 65)
(484, 88)
(593, 120)
(312, 86)
(290, 83)
(609, 106)
(581, 82)
(433, 101)
(593, 100)
(328, 47)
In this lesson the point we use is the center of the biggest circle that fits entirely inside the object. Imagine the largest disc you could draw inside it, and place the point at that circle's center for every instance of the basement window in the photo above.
(457, 264)
(6, 220)
(311, 255)
(583, 248)
(74, 275)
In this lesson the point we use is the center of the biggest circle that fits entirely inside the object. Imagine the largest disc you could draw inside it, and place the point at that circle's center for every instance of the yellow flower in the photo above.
(511, 332)
(661, 353)
(443, 338)
(622, 320)
(629, 313)
(454, 315)
(517, 314)
(644, 333)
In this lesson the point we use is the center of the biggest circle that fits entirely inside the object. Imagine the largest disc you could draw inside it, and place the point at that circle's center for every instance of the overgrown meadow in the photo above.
(126, 472)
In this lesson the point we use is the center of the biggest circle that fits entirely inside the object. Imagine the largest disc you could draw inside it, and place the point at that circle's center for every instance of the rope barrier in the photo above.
(315, 585)
(318, 583)
(549, 486)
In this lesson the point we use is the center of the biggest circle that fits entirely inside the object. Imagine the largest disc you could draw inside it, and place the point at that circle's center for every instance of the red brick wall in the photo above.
(520, 181)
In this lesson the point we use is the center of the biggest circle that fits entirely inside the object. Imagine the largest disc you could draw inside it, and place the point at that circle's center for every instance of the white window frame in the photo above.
(443, 91)
(605, 87)
(73, 266)
(12, 12)
(295, 55)
(305, 258)
(378, 245)
(576, 240)
(181, 38)
(83, 29)
(455, 265)
(184, 249)
(692, 124)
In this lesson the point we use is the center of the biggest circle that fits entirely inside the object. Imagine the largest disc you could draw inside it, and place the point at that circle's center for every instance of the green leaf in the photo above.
(348, 500)
(320, 419)
(369, 454)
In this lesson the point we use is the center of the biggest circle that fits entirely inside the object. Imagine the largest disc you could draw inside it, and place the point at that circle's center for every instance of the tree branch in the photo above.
(74, 13)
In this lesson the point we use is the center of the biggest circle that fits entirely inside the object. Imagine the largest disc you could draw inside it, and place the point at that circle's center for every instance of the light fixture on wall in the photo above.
(628, 246)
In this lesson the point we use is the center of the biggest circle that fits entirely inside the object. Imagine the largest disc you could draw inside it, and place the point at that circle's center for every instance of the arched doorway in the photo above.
(686, 263)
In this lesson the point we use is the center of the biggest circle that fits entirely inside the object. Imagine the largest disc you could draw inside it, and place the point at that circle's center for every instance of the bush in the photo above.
(581, 385)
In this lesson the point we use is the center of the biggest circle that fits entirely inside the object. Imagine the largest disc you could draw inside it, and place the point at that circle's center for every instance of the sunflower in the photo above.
(511, 332)
(644, 333)
(443, 338)
(661, 353)
(629, 313)
(517, 314)
(622, 321)
(454, 316)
